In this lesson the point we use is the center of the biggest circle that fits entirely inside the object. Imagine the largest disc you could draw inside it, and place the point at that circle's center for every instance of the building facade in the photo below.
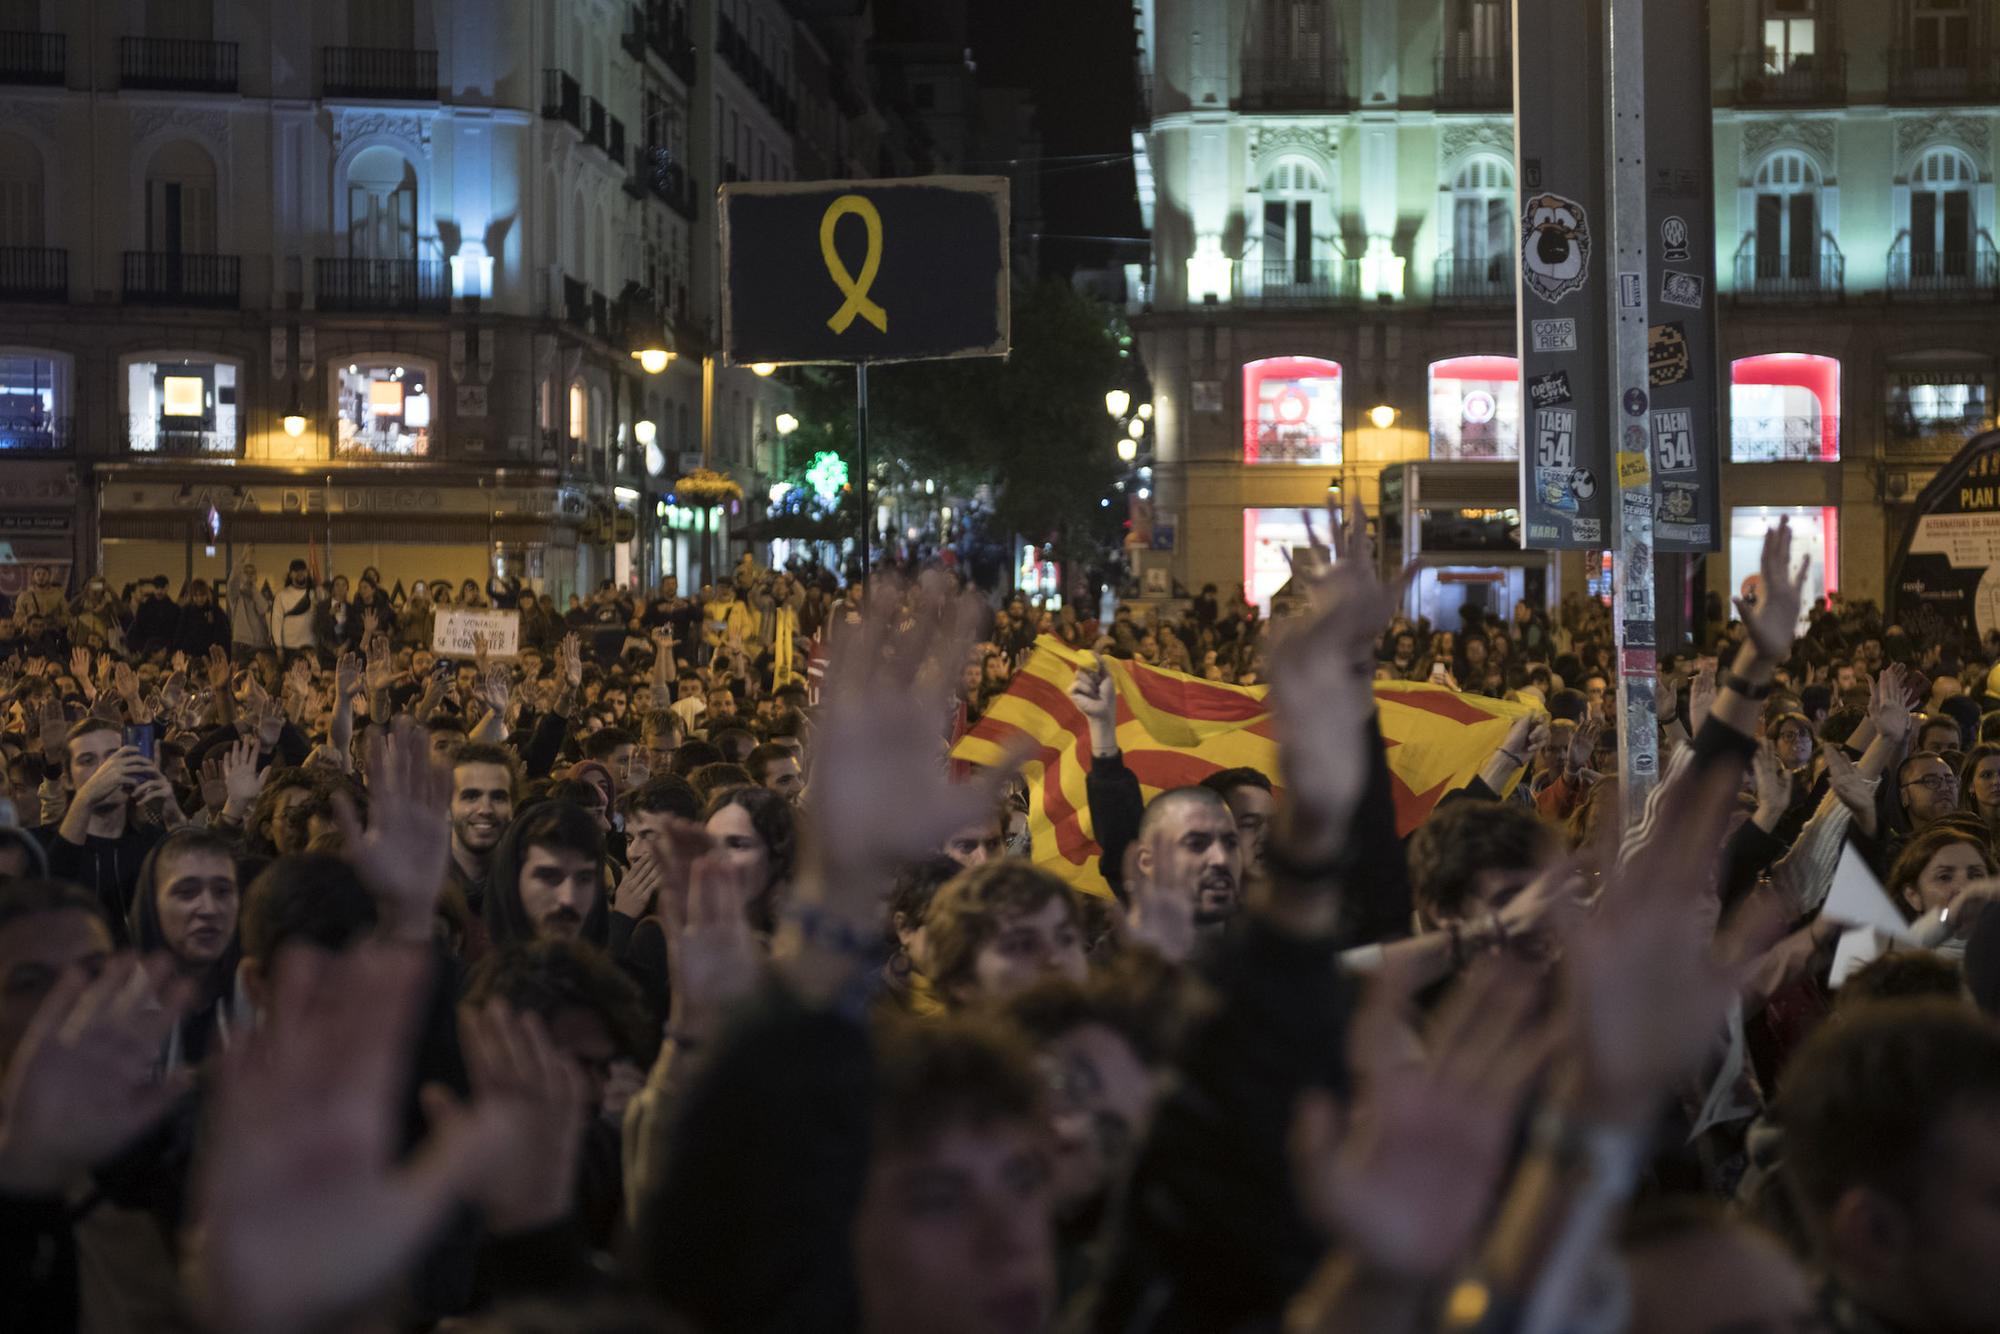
(1331, 193)
(364, 276)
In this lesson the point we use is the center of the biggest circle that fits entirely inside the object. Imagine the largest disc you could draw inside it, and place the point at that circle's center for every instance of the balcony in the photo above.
(1806, 81)
(1294, 85)
(167, 64)
(1803, 278)
(671, 38)
(1321, 282)
(749, 67)
(160, 278)
(407, 286)
(33, 57)
(562, 98)
(33, 273)
(1949, 76)
(181, 437)
(594, 117)
(1475, 83)
(1473, 282)
(379, 72)
(660, 174)
(35, 430)
(1934, 275)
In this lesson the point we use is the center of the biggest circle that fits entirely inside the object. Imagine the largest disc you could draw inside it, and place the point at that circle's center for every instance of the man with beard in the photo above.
(1248, 794)
(545, 879)
(1187, 838)
(483, 779)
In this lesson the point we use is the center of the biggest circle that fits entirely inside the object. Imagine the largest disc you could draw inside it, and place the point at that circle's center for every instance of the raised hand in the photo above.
(1095, 695)
(214, 788)
(79, 665)
(1159, 913)
(381, 668)
(525, 1119)
(1773, 785)
(179, 663)
(712, 957)
(1409, 1180)
(1701, 695)
(1889, 704)
(81, 1085)
(307, 1211)
(1855, 790)
(242, 780)
(1322, 674)
(218, 668)
(496, 689)
(569, 661)
(1583, 745)
(54, 729)
(1649, 977)
(347, 676)
(405, 851)
(1772, 620)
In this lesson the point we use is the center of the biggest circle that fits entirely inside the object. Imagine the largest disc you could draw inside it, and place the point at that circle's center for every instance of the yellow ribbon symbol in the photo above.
(854, 289)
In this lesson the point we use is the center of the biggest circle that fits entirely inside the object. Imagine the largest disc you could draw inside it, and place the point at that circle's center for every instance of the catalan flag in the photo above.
(1177, 729)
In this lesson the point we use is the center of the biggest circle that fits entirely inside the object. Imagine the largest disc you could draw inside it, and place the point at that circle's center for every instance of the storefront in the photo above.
(199, 527)
(38, 522)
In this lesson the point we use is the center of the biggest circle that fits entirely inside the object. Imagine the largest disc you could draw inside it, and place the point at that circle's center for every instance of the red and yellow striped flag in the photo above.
(1177, 729)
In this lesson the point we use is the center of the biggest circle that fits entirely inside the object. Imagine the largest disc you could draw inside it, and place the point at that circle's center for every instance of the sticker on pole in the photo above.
(1555, 438)
(1667, 359)
(1555, 247)
(1632, 469)
(1682, 289)
(1631, 291)
(1674, 240)
(1546, 391)
(1673, 439)
(1553, 335)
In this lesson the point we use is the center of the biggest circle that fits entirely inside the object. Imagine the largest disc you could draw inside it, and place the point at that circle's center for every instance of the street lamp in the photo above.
(762, 369)
(294, 424)
(1136, 428)
(1128, 449)
(1146, 411)
(1116, 401)
(1382, 416)
(785, 422)
(645, 432)
(651, 347)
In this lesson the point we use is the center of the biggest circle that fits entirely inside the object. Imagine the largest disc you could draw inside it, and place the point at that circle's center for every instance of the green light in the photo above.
(827, 475)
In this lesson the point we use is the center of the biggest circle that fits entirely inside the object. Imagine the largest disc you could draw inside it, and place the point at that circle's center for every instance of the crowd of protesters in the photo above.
(661, 975)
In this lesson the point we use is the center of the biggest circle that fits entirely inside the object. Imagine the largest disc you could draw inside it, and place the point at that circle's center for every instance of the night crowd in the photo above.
(663, 975)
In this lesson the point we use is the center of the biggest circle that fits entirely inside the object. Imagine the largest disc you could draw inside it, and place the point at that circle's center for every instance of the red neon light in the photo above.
(1502, 369)
(1819, 376)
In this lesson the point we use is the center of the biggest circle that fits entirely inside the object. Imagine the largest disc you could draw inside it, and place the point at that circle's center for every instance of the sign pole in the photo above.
(1632, 609)
(861, 460)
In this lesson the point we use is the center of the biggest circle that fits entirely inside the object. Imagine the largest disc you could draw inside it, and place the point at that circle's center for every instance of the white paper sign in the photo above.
(1858, 899)
(452, 637)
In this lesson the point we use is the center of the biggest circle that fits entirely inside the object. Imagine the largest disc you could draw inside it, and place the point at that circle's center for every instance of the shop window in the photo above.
(182, 406)
(1271, 537)
(1815, 533)
(384, 405)
(1784, 408)
(1476, 408)
(1936, 411)
(1291, 411)
(34, 401)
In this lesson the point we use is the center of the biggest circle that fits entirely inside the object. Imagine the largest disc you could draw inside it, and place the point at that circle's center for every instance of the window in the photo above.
(34, 401)
(1476, 408)
(1815, 533)
(381, 206)
(1789, 35)
(1271, 537)
(1787, 223)
(1942, 225)
(1936, 410)
(1784, 407)
(1293, 189)
(21, 208)
(181, 405)
(1482, 220)
(1291, 411)
(1940, 34)
(384, 406)
(1481, 32)
(180, 201)
(579, 411)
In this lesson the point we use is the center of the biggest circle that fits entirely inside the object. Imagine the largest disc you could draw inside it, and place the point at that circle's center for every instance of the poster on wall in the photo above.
(1563, 303)
(1946, 578)
(1680, 283)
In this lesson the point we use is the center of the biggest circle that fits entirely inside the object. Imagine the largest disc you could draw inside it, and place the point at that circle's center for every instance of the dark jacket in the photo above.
(153, 625)
(108, 867)
(196, 629)
(211, 1012)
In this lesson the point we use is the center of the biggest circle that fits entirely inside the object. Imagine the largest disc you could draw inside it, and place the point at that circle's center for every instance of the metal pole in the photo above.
(1632, 608)
(861, 460)
(707, 455)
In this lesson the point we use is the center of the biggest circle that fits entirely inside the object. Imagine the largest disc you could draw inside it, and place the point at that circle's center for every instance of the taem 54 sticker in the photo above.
(1673, 439)
(1555, 438)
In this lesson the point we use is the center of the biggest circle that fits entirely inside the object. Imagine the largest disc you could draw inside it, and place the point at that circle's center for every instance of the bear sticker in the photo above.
(1555, 246)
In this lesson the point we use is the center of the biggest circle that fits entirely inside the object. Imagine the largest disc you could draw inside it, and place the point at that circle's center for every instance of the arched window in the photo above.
(1291, 411)
(1296, 212)
(579, 411)
(1787, 225)
(384, 404)
(1476, 408)
(381, 206)
(21, 207)
(1942, 221)
(1784, 407)
(1482, 221)
(180, 200)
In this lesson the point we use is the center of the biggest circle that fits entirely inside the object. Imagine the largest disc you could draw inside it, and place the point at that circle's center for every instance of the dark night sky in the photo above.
(1076, 56)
